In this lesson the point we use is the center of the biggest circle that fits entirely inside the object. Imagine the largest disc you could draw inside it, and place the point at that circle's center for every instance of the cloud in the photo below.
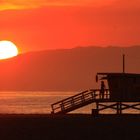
(21, 4)
(25, 4)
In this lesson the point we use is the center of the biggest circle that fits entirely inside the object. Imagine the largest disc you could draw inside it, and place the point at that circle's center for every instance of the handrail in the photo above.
(69, 97)
(75, 100)
(93, 90)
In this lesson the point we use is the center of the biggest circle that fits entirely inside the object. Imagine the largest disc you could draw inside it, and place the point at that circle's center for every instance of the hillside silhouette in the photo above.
(65, 69)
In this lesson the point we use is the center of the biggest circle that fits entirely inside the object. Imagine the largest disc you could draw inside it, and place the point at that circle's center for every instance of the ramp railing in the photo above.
(78, 100)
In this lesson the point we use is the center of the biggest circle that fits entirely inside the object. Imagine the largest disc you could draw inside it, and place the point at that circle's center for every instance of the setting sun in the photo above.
(7, 49)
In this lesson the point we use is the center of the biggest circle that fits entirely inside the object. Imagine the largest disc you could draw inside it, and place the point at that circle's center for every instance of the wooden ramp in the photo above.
(79, 100)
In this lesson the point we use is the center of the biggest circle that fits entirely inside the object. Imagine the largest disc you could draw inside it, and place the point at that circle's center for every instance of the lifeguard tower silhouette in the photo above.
(123, 93)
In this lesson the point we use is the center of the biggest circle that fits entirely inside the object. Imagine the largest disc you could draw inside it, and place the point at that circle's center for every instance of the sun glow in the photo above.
(7, 49)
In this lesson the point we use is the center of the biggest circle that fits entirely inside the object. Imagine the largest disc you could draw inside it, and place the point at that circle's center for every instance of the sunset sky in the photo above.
(52, 24)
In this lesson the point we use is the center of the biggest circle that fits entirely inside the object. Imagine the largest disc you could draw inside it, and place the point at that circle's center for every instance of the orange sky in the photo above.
(37, 24)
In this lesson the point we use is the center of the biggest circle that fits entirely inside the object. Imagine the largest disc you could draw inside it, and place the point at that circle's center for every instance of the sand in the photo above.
(69, 127)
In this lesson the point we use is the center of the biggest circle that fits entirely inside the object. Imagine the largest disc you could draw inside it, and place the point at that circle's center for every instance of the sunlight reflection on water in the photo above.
(36, 102)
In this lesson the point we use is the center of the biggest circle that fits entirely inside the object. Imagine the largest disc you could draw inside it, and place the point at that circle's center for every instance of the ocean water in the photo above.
(38, 103)
(29, 102)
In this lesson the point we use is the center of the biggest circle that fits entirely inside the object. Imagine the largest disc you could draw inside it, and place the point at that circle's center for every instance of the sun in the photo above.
(7, 49)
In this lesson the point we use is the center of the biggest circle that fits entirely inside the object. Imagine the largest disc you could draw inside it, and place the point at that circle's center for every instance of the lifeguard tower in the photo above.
(123, 93)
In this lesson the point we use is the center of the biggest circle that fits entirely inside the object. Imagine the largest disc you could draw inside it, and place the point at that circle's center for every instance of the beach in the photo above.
(69, 127)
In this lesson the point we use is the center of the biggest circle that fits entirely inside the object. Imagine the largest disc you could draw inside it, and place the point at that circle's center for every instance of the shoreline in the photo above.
(70, 115)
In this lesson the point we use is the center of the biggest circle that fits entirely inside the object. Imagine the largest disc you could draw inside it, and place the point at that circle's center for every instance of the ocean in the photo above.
(38, 102)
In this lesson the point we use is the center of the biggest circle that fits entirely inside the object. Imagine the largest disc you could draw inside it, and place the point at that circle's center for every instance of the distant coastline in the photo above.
(65, 69)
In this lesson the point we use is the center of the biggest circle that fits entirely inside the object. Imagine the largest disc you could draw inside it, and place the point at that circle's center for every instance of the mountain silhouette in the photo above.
(65, 69)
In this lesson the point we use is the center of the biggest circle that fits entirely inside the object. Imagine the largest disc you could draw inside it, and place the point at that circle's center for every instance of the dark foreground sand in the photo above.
(69, 127)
